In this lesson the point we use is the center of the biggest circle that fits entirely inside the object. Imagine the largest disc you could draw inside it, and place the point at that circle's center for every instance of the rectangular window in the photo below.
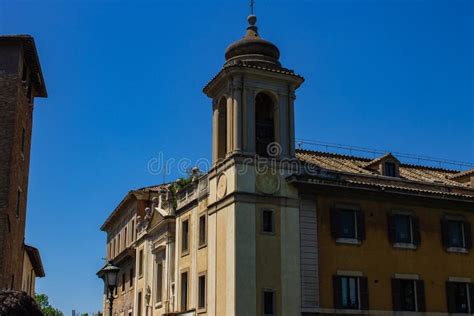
(390, 169)
(159, 282)
(133, 230)
(267, 221)
(202, 231)
(403, 229)
(456, 234)
(140, 263)
(139, 307)
(23, 140)
(408, 295)
(460, 297)
(268, 303)
(184, 291)
(123, 282)
(349, 293)
(18, 203)
(132, 277)
(185, 237)
(348, 224)
(202, 292)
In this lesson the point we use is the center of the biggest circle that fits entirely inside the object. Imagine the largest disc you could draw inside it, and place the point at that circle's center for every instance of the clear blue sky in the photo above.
(125, 79)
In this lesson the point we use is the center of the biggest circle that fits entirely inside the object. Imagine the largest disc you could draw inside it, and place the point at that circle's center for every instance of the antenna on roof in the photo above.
(252, 4)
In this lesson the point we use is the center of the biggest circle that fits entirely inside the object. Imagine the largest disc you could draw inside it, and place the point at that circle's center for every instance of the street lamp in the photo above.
(110, 275)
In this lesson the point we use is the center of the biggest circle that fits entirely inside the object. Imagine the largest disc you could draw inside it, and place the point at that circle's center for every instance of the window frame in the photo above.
(469, 299)
(272, 291)
(185, 252)
(202, 309)
(262, 226)
(202, 242)
(336, 224)
(140, 263)
(463, 234)
(419, 306)
(414, 229)
(131, 281)
(184, 305)
(124, 282)
(159, 298)
(393, 168)
(466, 232)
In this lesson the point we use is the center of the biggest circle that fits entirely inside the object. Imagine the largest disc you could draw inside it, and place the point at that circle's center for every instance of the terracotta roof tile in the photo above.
(416, 178)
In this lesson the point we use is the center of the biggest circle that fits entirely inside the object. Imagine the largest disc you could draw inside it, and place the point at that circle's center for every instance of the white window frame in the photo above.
(355, 240)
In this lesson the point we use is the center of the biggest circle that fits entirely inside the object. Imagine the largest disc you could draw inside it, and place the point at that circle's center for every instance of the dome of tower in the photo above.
(252, 48)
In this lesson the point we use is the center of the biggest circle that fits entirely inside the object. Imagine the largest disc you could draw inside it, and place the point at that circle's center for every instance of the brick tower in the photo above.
(21, 81)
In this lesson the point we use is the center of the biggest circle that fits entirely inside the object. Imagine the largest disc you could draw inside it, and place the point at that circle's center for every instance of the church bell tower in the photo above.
(253, 213)
(253, 100)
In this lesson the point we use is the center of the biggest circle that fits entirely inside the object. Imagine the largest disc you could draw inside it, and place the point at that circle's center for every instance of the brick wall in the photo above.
(15, 114)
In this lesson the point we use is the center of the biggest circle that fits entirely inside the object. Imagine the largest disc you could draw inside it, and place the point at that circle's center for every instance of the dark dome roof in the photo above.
(252, 47)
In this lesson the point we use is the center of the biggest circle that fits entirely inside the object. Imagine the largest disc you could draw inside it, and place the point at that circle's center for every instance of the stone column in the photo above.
(215, 131)
(277, 113)
(230, 125)
(237, 114)
(284, 127)
(291, 118)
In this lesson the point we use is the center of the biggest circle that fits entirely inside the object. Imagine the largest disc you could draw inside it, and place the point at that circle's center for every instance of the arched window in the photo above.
(222, 129)
(264, 123)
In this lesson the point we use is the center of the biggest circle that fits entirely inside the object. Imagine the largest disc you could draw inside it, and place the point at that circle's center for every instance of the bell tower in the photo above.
(253, 212)
(253, 100)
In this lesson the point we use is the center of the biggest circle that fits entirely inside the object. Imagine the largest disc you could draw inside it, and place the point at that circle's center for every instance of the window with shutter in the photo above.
(364, 293)
(467, 235)
(471, 297)
(391, 229)
(420, 296)
(408, 295)
(360, 234)
(451, 296)
(350, 292)
(396, 294)
(458, 297)
(337, 292)
(416, 231)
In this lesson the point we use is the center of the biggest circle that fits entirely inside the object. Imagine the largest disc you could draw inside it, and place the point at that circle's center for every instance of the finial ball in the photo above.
(252, 19)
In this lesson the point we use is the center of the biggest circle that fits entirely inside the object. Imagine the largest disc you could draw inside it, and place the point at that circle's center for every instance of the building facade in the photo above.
(21, 81)
(271, 230)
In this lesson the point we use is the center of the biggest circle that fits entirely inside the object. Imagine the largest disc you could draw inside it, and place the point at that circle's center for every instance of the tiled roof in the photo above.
(422, 179)
(463, 174)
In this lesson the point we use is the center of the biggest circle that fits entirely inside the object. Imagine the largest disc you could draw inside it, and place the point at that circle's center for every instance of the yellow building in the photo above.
(271, 230)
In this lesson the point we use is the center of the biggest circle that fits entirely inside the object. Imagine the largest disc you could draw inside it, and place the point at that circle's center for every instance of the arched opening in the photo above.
(264, 123)
(222, 129)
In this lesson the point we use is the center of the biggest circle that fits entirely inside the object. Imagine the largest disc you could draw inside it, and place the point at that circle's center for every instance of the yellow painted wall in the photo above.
(221, 262)
(268, 259)
(378, 260)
